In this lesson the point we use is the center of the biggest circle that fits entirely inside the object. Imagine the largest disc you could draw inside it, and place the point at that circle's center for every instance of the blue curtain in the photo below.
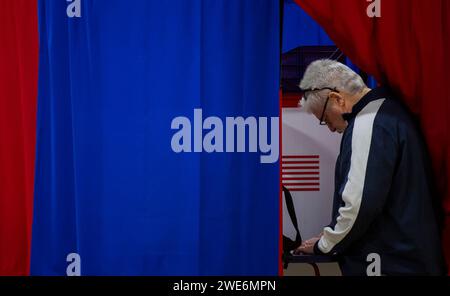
(299, 29)
(108, 185)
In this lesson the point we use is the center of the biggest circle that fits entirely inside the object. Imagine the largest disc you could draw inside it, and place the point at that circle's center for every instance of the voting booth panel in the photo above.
(309, 153)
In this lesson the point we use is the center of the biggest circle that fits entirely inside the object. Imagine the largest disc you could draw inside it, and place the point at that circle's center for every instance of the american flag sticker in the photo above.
(300, 172)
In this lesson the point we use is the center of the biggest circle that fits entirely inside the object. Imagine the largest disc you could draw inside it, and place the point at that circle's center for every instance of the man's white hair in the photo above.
(331, 74)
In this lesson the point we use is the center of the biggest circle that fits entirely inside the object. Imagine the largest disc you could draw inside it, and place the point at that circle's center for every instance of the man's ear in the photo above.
(337, 97)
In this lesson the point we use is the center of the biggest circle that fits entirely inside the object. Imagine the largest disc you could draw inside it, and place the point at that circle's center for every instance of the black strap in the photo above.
(291, 211)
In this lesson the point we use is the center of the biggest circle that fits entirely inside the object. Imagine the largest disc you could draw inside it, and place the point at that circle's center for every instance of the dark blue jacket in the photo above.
(382, 200)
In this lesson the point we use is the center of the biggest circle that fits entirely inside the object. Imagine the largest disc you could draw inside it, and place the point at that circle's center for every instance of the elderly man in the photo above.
(382, 200)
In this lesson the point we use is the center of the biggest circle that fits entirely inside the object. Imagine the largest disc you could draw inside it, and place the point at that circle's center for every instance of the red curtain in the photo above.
(407, 47)
(18, 89)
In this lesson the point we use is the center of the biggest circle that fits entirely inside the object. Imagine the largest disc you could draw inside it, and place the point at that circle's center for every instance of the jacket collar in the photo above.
(374, 94)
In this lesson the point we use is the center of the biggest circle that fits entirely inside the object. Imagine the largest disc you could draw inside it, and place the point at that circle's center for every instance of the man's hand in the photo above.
(307, 246)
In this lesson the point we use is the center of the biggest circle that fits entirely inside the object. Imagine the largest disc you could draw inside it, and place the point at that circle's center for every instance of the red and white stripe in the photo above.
(300, 172)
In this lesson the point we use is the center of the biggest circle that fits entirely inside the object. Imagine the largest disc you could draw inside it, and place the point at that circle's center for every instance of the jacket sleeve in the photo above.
(365, 187)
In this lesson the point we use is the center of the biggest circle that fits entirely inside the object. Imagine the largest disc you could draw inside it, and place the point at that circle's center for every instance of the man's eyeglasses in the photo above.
(322, 121)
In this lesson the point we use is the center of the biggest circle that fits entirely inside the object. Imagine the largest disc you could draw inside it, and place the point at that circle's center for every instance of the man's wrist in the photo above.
(317, 250)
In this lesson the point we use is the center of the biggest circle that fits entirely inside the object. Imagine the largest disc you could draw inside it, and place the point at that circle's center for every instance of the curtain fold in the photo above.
(18, 89)
(406, 48)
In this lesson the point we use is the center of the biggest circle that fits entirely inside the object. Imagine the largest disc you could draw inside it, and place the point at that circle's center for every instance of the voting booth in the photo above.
(309, 153)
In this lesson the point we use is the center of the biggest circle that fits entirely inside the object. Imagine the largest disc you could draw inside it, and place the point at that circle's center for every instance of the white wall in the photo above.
(302, 135)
